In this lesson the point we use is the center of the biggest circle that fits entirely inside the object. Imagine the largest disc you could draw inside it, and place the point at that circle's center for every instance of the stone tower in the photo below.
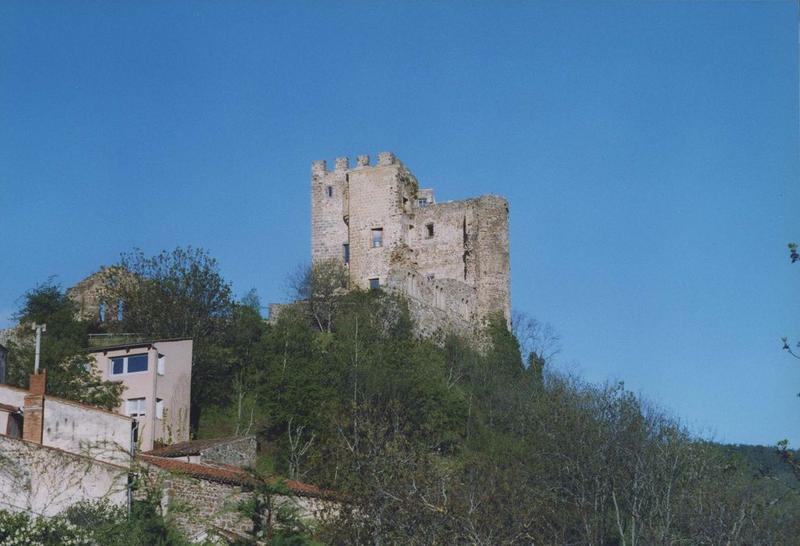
(451, 260)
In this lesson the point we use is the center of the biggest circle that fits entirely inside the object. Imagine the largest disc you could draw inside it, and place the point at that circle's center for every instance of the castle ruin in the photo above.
(450, 260)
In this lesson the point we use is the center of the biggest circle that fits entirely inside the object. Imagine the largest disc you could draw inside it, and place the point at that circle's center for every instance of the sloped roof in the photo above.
(193, 447)
(228, 474)
(133, 344)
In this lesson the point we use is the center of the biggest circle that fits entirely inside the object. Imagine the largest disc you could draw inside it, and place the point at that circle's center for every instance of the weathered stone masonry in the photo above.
(451, 260)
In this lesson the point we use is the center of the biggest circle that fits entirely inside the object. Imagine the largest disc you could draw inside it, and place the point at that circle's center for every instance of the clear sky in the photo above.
(649, 151)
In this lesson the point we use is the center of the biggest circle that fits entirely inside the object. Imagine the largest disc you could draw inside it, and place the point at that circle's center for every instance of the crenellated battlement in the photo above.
(342, 164)
(319, 167)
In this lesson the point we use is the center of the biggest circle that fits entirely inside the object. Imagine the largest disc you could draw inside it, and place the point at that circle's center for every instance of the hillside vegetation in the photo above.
(433, 442)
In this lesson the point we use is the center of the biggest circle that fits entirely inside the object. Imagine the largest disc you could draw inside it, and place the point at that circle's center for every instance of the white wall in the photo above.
(87, 431)
(45, 481)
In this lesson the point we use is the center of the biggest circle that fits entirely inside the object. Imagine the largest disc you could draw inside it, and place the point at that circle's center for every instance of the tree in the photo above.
(783, 447)
(794, 257)
(319, 289)
(63, 349)
(179, 294)
(274, 518)
(538, 342)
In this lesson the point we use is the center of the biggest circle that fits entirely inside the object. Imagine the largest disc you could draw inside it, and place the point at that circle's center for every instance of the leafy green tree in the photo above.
(180, 294)
(275, 520)
(91, 524)
(63, 349)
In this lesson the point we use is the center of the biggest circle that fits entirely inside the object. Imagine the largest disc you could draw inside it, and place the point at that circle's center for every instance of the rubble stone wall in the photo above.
(201, 505)
(458, 249)
(240, 452)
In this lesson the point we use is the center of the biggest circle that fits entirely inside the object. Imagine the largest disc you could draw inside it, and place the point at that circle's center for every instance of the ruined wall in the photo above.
(444, 254)
(451, 256)
(328, 210)
(453, 299)
(45, 481)
(380, 197)
(492, 256)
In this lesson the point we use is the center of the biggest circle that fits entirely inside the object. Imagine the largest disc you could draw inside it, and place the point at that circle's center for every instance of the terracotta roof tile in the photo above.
(228, 474)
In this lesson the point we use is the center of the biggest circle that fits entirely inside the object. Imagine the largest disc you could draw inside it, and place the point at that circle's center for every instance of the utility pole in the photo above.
(40, 329)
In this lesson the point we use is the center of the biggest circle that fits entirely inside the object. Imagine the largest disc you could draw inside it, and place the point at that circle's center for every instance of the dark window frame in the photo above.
(376, 237)
(124, 364)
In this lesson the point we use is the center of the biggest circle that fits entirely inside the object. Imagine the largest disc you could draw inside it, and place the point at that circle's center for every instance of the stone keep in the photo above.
(451, 260)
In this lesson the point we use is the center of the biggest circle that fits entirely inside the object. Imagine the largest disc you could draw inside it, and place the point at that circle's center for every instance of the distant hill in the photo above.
(764, 461)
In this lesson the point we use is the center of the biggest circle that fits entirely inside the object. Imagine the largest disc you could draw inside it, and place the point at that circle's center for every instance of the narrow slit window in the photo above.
(329, 191)
(377, 237)
(346, 252)
(429, 230)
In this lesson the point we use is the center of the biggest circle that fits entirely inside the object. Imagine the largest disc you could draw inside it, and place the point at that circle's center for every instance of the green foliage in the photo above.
(274, 518)
(181, 294)
(22, 530)
(91, 524)
(444, 443)
(63, 349)
(431, 443)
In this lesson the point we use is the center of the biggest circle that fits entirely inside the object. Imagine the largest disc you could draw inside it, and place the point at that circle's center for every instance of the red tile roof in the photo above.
(228, 474)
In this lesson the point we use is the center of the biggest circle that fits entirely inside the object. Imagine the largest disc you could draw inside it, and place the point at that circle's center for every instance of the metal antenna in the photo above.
(40, 329)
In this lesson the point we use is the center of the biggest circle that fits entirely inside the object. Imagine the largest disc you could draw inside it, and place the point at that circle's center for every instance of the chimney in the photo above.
(33, 409)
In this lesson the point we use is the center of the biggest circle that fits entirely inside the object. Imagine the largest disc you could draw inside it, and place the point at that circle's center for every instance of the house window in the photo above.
(377, 237)
(162, 364)
(119, 310)
(375, 283)
(134, 407)
(346, 251)
(329, 191)
(159, 408)
(422, 202)
(129, 364)
(117, 366)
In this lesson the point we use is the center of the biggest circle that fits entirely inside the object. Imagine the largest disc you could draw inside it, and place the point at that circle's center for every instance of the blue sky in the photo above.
(649, 151)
